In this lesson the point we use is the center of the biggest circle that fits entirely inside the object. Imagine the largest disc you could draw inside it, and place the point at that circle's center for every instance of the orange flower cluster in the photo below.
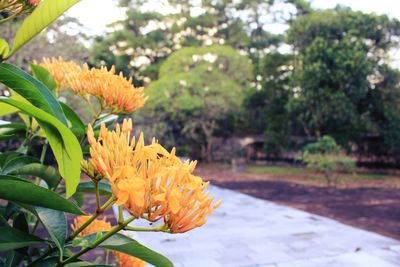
(149, 181)
(61, 70)
(125, 260)
(113, 91)
(97, 225)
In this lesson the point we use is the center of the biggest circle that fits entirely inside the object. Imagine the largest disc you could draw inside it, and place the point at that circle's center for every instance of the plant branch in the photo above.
(96, 186)
(140, 229)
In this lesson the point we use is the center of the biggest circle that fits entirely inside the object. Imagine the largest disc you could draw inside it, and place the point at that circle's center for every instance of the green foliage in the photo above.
(27, 193)
(63, 142)
(327, 157)
(196, 95)
(325, 145)
(40, 18)
(221, 58)
(127, 245)
(341, 81)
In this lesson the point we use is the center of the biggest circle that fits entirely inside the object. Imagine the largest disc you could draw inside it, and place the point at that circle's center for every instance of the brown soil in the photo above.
(369, 204)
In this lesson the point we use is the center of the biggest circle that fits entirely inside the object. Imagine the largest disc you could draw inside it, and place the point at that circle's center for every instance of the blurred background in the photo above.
(289, 96)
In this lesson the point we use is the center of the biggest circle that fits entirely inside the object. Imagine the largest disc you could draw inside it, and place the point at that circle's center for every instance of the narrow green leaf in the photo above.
(31, 89)
(6, 109)
(56, 225)
(44, 76)
(48, 262)
(4, 49)
(17, 163)
(65, 146)
(74, 119)
(15, 178)
(47, 12)
(127, 245)
(47, 173)
(31, 194)
(11, 133)
(12, 238)
(7, 156)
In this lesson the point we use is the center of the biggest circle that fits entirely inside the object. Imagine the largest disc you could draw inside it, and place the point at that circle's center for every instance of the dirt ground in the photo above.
(373, 205)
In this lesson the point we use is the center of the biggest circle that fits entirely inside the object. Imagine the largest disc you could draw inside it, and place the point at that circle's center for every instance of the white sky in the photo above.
(96, 14)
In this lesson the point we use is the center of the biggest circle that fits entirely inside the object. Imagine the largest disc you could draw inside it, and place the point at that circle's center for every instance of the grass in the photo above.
(277, 170)
(290, 170)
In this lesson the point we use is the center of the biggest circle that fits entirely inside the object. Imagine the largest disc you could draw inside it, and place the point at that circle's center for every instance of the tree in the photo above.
(197, 89)
(266, 111)
(342, 75)
(327, 157)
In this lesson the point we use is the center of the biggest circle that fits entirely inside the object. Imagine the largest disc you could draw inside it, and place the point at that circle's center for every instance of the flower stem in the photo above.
(96, 186)
(120, 215)
(140, 229)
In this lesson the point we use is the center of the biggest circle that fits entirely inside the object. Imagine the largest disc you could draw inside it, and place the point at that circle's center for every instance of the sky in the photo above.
(96, 14)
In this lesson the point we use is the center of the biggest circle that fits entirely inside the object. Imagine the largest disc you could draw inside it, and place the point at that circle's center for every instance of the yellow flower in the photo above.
(147, 180)
(61, 70)
(125, 260)
(113, 91)
(96, 226)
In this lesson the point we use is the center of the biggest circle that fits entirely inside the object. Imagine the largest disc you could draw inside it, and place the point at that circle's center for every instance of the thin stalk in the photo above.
(107, 255)
(120, 215)
(140, 229)
(44, 151)
(110, 233)
(96, 187)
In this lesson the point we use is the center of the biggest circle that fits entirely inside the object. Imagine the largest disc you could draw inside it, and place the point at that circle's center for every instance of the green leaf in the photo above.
(15, 178)
(88, 187)
(12, 238)
(12, 131)
(31, 194)
(6, 109)
(43, 15)
(47, 173)
(7, 156)
(127, 245)
(48, 262)
(56, 225)
(31, 89)
(44, 76)
(4, 49)
(65, 146)
(74, 119)
(13, 259)
(17, 163)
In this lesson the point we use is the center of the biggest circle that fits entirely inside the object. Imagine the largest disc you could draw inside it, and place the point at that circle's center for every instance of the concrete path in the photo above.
(246, 231)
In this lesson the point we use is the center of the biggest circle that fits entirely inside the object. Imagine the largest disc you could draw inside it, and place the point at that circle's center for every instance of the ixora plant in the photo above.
(327, 157)
(145, 180)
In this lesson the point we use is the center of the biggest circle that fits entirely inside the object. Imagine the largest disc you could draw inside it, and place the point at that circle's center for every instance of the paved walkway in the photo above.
(246, 231)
